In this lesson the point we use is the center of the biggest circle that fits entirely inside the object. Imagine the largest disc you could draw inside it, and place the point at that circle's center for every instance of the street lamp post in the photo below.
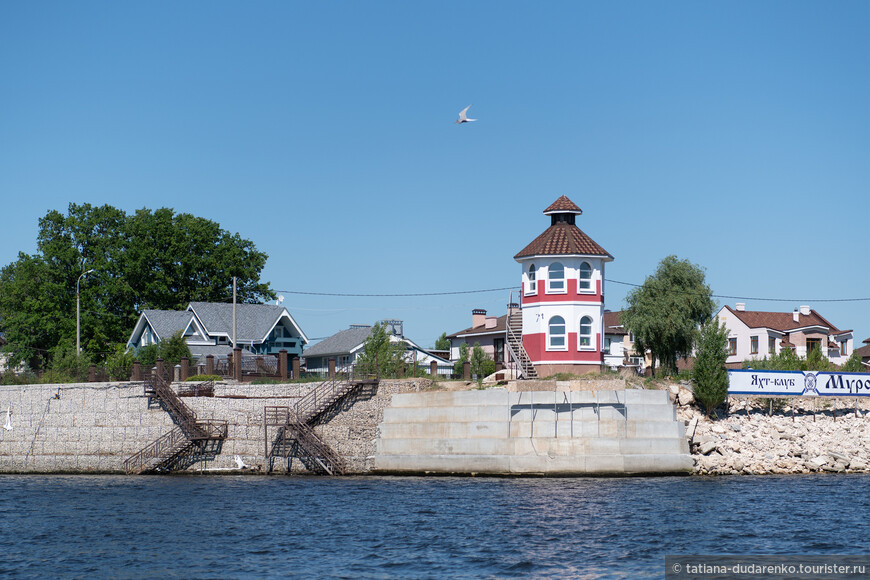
(79, 315)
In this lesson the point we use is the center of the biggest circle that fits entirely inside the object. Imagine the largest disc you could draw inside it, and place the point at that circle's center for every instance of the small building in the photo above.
(207, 327)
(488, 331)
(619, 349)
(864, 353)
(562, 296)
(345, 346)
(755, 335)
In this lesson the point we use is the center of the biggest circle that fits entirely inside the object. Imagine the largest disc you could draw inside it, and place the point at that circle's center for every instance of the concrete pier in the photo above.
(498, 432)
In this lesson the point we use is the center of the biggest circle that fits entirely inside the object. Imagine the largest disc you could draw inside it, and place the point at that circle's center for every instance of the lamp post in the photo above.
(79, 315)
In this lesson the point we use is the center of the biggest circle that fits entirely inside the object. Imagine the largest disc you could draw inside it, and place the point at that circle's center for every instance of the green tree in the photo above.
(709, 374)
(482, 364)
(665, 312)
(443, 343)
(464, 351)
(151, 259)
(854, 364)
(381, 352)
(119, 364)
(173, 349)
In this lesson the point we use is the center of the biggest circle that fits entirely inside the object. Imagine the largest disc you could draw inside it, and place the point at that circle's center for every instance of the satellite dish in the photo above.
(280, 301)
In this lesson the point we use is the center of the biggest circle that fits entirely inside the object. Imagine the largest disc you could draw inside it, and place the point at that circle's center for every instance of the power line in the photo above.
(453, 293)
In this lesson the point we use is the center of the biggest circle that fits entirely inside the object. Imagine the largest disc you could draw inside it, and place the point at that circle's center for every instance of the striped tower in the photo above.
(563, 295)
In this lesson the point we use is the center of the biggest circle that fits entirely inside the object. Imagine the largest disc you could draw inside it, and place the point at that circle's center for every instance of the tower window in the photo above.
(585, 276)
(584, 337)
(556, 278)
(556, 334)
(533, 285)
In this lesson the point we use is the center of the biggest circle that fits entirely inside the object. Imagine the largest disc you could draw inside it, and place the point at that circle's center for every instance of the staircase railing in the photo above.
(514, 340)
(165, 446)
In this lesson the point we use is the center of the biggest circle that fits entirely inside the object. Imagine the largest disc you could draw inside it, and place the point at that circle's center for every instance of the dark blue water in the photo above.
(242, 527)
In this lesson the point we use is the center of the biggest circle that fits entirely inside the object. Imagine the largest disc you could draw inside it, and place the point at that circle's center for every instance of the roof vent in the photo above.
(741, 306)
(796, 315)
(805, 310)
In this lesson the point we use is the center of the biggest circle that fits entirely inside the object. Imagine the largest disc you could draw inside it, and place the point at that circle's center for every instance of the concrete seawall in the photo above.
(499, 432)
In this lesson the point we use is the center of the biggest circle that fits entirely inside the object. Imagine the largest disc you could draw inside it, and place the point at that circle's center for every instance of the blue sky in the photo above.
(733, 134)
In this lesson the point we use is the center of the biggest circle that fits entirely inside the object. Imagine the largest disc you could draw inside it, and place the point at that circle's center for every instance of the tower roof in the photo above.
(563, 205)
(563, 237)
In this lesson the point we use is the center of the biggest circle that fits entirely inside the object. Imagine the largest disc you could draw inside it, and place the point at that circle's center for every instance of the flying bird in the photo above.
(463, 118)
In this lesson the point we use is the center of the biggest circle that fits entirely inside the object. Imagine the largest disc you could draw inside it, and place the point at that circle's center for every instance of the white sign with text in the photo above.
(798, 383)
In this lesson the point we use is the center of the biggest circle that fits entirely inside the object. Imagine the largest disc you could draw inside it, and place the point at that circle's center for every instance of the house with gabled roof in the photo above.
(261, 329)
(864, 352)
(488, 331)
(346, 345)
(754, 335)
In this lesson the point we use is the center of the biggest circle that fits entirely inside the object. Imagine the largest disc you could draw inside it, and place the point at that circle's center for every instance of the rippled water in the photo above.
(375, 527)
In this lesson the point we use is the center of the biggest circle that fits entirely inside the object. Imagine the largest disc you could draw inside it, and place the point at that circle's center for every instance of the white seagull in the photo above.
(8, 425)
(463, 118)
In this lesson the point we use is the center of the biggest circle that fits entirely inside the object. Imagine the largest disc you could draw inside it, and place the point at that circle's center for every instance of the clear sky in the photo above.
(734, 134)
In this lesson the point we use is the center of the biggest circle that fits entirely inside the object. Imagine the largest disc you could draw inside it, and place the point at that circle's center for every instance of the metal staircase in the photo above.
(292, 429)
(190, 441)
(514, 340)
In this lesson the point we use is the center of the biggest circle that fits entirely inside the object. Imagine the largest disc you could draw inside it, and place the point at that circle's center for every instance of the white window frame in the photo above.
(550, 335)
(590, 336)
(532, 287)
(591, 279)
(550, 289)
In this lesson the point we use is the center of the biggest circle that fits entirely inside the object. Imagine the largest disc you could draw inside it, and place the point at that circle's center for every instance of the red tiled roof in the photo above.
(613, 323)
(782, 321)
(563, 204)
(560, 239)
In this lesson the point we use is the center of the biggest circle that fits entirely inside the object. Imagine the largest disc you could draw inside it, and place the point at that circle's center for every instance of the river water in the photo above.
(387, 527)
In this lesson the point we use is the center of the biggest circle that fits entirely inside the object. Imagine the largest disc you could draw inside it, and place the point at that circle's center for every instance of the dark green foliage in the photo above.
(156, 259)
(66, 366)
(709, 374)
(148, 355)
(119, 364)
(173, 349)
(443, 343)
(788, 360)
(854, 365)
(379, 351)
(816, 361)
(458, 366)
(665, 312)
(482, 364)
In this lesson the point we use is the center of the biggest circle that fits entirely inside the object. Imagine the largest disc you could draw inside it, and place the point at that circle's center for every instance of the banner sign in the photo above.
(798, 383)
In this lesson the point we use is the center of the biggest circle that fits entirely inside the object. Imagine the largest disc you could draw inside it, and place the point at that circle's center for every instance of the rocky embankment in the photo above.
(789, 435)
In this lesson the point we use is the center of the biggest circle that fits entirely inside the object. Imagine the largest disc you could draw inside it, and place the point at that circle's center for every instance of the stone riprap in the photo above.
(94, 427)
(555, 432)
(799, 436)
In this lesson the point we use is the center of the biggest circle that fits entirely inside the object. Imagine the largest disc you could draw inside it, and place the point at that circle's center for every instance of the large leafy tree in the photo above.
(381, 353)
(709, 374)
(151, 259)
(665, 313)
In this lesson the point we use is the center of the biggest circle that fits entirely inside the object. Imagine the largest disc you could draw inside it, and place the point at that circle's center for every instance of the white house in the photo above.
(754, 335)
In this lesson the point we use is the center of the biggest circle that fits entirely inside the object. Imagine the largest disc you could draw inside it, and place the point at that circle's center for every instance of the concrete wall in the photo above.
(94, 427)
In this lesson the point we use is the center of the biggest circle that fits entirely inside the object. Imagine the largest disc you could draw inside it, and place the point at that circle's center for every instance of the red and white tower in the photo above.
(563, 296)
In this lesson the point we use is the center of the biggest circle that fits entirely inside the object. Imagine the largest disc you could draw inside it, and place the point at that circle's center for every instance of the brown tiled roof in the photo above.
(782, 321)
(864, 351)
(563, 238)
(613, 323)
(563, 204)
(500, 327)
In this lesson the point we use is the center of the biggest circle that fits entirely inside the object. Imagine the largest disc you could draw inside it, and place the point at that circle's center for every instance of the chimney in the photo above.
(491, 321)
(741, 306)
(796, 315)
(805, 310)
(514, 307)
(478, 317)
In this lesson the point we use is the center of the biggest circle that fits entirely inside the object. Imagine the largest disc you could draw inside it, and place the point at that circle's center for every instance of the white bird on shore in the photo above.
(463, 118)
(8, 425)
(240, 463)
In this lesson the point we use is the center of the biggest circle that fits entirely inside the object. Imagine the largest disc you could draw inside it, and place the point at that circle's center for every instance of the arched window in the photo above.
(556, 334)
(585, 276)
(556, 278)
(584, 337)
(533, 285)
